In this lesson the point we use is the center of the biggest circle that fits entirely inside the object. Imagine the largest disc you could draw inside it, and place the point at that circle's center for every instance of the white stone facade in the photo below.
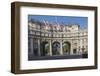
(56, 39)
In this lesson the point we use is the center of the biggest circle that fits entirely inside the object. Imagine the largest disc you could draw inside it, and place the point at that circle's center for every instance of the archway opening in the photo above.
(44, 48)
(56, 48)
(66, 48)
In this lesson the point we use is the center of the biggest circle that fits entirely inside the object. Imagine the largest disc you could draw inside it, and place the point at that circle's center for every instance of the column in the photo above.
(81, 45)
(50, 43)
(61, 49)
(77, 46)
(71, 51)
(39, 47)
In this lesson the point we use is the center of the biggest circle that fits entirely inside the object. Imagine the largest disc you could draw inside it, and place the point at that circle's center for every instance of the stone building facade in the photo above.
(45, 39)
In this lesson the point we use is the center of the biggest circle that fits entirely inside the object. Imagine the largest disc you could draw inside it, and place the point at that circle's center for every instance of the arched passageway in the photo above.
(66, 48)
(56, 48)
(44, 48)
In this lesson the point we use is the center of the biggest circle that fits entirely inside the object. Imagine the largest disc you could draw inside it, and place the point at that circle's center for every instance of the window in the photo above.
(74, 51)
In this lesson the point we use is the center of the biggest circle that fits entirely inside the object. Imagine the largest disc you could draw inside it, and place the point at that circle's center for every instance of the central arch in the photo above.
(56, 48)
(66, 48)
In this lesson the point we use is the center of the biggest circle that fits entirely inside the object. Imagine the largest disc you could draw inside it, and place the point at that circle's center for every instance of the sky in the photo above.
(82, 21)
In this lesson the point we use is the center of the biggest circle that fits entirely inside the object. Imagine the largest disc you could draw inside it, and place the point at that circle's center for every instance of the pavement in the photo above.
(31, 57)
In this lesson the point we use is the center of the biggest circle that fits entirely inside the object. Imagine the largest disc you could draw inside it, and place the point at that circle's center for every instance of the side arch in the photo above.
(66, 47)
(44, 48)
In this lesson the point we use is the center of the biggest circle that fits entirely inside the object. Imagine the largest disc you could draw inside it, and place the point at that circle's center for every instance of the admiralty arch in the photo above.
(46, 39)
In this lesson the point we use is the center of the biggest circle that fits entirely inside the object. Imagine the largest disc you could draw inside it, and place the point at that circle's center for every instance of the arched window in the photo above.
(56, 48)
